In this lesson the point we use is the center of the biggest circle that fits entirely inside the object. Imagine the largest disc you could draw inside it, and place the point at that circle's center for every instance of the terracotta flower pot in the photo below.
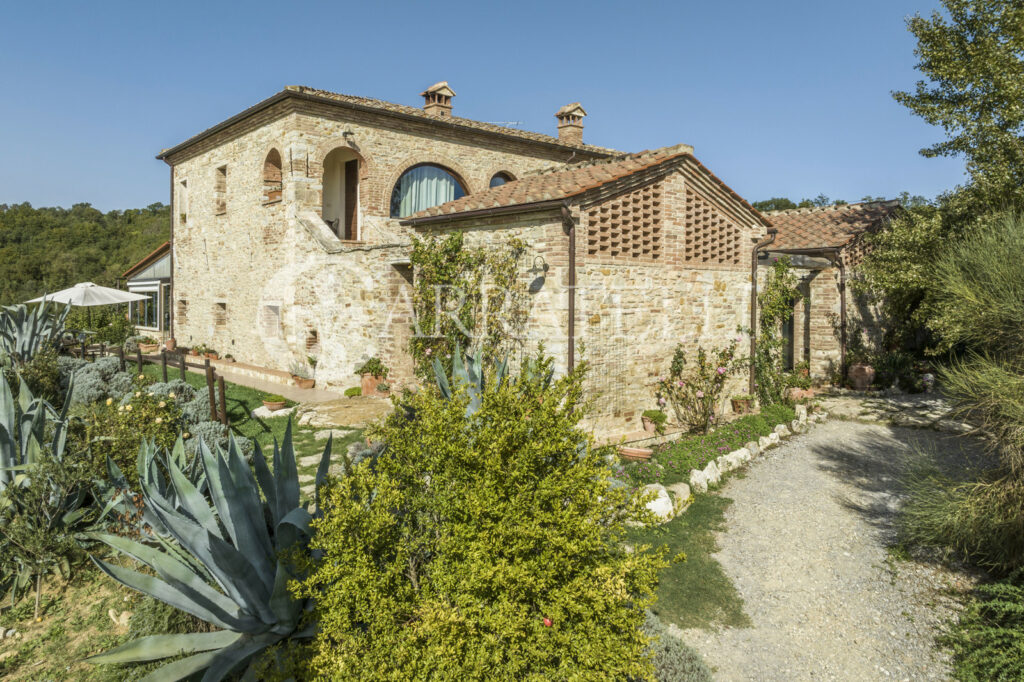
(170, 344)
(649, 425)
(635, 454)
(303, 383)
(861, 376)
(368, 383)
(213, 355)
(741, 406)
(274, 405)
(794, 393)
(148, 348)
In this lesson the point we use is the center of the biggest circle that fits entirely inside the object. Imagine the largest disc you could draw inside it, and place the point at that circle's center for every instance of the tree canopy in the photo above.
(48, 249)
(972, 57)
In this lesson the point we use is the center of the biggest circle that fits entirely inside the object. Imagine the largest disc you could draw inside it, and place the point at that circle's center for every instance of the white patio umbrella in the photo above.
(88, 294)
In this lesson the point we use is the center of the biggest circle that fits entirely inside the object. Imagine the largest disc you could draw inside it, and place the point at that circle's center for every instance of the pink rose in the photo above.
(721, 370)
(661, 401)
(679, 384)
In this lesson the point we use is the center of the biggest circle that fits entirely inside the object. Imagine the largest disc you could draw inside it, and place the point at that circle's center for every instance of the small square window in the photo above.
(220, 191)
(220, 314)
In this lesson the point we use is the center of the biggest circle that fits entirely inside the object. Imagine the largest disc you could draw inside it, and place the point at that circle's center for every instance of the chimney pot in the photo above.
(570, 123)
(437, 99)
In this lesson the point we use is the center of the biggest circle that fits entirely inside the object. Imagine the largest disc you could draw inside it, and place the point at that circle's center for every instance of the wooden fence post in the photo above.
(103, 350)
(213, 392)
(181, 366)
(120, 357)
(223, 400)
(138, 359)
(83, 351)
(163, 364)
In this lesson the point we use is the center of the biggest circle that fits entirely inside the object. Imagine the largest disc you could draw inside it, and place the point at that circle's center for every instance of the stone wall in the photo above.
(632, 307)
(266, 281)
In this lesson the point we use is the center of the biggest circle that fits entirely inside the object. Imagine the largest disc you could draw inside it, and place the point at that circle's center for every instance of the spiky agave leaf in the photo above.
(227, 565)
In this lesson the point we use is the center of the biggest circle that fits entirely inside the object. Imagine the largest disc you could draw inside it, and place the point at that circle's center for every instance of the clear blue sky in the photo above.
(783, 98)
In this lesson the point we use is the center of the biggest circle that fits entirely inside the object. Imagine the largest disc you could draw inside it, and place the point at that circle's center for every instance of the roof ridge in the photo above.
(675, 150)
(459, 120)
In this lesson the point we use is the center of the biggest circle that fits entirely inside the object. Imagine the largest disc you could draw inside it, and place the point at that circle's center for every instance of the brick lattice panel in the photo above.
(627, 227)
(709, 236)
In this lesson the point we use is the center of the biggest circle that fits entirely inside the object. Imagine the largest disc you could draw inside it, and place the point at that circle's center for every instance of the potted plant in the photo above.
(302, 375)
(200, 349)
(170, 344)
(212, 354)
(273, 402)
(229, 358)
(742, 403)
(147, 344)
(373, 373)
(654, 421)
(860, 372)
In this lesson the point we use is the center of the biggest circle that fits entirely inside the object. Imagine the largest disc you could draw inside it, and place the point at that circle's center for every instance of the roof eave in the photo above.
(478, 212)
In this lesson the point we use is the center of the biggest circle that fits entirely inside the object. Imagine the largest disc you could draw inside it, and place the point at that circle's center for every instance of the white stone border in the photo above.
(675, 499)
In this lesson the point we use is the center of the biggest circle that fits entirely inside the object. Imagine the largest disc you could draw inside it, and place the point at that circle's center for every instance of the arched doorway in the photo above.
(341, 193)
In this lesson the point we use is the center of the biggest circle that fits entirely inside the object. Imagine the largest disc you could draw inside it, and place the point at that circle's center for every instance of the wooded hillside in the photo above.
(47, 249)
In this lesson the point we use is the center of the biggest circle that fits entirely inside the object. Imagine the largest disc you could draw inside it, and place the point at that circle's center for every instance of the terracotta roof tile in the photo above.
(831, 226)
(556, 183)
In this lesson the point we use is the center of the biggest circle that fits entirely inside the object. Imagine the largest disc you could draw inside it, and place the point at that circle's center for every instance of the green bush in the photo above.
(353, 392)
(375, 367)
(41, 374)
(673, 660)
(110, 324)
(988, 640)
(116, 430)
(979, 307)
(481, 543)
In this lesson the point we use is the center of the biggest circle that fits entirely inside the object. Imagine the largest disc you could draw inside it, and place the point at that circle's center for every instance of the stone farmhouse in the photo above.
(292, 223)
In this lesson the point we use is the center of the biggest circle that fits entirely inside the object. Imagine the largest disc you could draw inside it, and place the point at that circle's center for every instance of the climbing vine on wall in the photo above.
(775, 303)
(466, 296)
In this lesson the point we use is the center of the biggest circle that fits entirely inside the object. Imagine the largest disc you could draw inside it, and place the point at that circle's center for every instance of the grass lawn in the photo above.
(73, 624)
(694, 593)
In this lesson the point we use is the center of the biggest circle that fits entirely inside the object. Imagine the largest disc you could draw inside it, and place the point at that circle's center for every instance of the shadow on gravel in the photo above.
(879, 459)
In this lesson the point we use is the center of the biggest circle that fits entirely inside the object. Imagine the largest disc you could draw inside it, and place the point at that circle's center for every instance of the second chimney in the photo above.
(570, 123)
(437, 99)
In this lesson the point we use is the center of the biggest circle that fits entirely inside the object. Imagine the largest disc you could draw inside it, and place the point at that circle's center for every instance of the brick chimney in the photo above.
(437, 99)
(570, 123)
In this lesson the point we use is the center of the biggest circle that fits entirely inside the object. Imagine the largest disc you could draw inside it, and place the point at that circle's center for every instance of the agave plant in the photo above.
(44, 507)
(118, 497)
(23, 425)
(24, 331)
(468, 375)
(228, 560)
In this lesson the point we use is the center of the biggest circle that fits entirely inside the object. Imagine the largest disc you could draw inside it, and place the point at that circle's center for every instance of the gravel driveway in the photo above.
(806, 547)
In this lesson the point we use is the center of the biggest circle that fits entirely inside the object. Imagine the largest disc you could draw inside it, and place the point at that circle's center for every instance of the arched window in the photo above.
(272, 177)
(500, 178)
(341, 193)
(424, 186)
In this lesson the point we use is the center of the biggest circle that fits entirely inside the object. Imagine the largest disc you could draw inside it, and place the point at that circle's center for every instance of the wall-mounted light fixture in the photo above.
(540, 269)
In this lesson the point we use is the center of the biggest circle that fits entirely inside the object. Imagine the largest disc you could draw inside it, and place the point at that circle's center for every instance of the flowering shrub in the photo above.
(694, 392)
(115, 429)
